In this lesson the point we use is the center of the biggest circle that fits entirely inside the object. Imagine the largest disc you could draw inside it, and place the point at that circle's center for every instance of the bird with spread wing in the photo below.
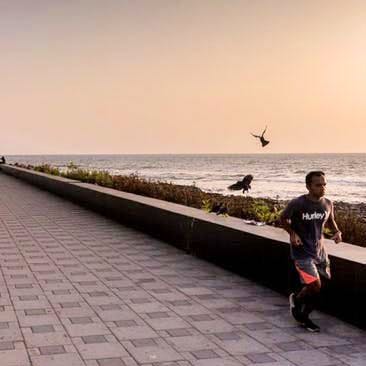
(263, 141)
(242, 184)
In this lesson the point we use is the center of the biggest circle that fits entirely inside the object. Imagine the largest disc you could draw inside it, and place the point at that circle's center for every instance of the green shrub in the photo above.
(263, 212)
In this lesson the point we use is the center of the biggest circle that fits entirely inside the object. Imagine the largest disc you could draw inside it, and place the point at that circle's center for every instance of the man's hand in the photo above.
(295, 239)
(337, 237)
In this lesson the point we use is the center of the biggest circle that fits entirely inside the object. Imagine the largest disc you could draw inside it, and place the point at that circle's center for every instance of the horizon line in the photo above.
(201, 153)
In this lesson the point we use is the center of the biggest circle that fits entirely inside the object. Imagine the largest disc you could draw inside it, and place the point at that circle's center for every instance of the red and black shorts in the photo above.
(310, 269)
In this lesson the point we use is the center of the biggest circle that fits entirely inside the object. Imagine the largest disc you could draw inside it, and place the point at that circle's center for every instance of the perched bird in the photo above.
(264, 142)
(220, 208)
(242, 184)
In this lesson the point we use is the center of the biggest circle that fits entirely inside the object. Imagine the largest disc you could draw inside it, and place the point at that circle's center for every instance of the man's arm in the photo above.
(337, 237)
(285, 220)
(286, 224)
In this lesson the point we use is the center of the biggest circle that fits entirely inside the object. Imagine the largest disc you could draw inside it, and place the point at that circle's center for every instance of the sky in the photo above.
(182, 76)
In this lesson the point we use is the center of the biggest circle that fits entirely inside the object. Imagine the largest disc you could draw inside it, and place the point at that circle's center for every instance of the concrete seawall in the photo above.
(260, 253)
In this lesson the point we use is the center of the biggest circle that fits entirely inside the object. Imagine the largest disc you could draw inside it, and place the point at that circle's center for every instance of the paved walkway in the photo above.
(79, 289)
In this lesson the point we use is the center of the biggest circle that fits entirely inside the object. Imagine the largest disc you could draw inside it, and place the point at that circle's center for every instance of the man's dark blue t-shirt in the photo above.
(307, 220)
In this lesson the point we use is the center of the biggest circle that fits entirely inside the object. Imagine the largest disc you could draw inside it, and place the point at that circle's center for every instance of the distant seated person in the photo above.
(2, 160)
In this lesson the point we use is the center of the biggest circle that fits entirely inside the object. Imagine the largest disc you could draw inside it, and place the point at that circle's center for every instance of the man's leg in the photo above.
(310, 289)
(311, 301)
(308, 297)
(305, 300)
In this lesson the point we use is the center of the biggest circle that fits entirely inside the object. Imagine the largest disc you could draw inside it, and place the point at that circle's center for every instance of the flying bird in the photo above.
(242, 184)
(264, 142)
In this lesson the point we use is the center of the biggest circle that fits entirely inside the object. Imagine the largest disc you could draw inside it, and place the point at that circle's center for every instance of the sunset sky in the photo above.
(182, 76)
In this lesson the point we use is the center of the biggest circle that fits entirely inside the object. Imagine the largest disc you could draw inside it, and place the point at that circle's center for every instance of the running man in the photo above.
(304, 219)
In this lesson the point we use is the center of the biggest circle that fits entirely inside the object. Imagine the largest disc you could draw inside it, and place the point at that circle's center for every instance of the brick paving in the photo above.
(77, 289)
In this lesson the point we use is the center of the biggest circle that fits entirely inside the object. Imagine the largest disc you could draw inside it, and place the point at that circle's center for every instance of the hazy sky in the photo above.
(182, 76)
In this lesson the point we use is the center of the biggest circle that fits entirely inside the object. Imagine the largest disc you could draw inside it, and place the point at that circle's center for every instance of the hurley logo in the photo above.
(313, 216)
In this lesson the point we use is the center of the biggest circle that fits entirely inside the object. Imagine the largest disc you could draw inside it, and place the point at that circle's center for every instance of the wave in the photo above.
(300, 172)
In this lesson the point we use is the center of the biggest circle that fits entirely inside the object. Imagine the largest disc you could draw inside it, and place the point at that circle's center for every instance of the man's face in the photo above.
(317, 186)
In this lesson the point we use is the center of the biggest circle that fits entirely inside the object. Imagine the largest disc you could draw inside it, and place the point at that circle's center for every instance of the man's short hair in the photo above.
(315, 173)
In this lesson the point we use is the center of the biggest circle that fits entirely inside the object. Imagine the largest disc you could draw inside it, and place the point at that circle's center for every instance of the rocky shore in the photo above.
(358, 209)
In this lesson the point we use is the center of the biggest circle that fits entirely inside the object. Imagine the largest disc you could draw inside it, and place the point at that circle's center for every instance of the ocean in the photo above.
(278, 176)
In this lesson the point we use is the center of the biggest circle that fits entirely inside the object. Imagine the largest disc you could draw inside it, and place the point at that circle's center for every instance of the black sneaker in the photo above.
(310, 326)
(295, 309)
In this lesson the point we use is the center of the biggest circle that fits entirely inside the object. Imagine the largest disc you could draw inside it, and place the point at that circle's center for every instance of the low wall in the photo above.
(260, 253)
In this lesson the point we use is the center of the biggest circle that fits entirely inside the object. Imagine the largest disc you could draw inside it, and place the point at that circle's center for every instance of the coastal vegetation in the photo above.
(351, 218)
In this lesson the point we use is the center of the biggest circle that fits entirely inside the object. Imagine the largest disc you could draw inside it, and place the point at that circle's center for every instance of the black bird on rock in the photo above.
(219, 208)
(242, 184)
(263, 141)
